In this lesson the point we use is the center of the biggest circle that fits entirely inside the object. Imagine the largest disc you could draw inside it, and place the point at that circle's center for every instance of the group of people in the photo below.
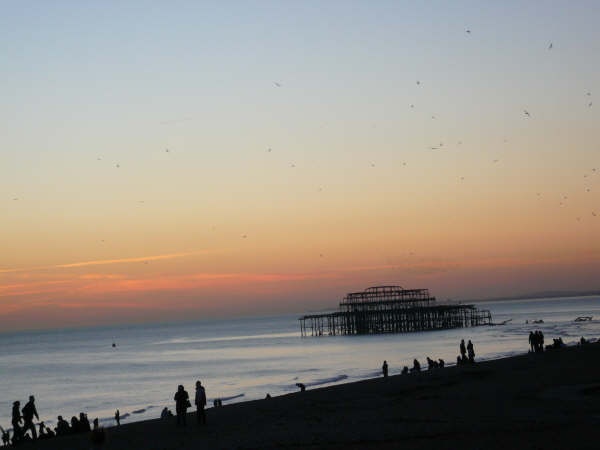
(24, 429)
(536, 341)
(182, 403)
(467, 353)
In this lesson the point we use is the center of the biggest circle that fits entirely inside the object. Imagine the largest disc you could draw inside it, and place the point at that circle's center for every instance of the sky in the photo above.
(188, 160)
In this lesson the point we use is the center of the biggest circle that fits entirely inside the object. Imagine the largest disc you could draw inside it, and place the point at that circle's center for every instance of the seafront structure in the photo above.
(392, 309)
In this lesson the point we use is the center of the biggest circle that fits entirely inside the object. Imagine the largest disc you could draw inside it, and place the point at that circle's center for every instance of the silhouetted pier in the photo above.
(392, 309)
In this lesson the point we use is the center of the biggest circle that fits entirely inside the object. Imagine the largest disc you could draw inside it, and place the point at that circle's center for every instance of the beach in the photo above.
(531, 401)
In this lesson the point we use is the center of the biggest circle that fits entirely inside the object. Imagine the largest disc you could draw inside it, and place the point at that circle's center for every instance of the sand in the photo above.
(533, 401)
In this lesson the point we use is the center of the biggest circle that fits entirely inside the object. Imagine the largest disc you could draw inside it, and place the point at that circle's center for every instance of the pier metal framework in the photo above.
(392, 309)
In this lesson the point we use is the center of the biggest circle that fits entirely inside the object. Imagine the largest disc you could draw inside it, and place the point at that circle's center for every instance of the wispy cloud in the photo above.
(102, 262)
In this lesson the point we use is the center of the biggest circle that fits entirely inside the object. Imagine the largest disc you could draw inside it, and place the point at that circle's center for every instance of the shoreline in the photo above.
(527, 401)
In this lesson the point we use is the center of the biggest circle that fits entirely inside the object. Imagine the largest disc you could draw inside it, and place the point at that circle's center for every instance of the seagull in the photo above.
(166, 150)
(269, 149)
(589, 93)
(244, 236)
(293, 165)
(99, 159)
(434, 148)
(372, 164)
(590, 105)
(277, 84)
(526, 113)
(117, 166)
(495, 161)
(468, 31)
(16, 198)
(433, 117)
(418, 82)
(550, 46)
(412, 106)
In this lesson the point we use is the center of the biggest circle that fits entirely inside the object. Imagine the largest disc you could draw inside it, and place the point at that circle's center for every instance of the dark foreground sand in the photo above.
(536, 401)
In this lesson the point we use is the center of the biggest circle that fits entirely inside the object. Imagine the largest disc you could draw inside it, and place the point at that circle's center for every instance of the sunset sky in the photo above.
(314, 148)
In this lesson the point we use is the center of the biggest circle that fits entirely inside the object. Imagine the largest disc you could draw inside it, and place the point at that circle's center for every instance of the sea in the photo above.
(78, 370)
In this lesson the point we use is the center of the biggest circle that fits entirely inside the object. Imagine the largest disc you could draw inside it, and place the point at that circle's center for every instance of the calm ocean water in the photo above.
(70, 371)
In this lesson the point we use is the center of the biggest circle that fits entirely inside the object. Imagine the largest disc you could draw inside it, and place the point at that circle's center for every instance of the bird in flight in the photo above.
(277, 84)
(526, 113)
(433, 148)
(292, 165)
(412, 106)
(166, 150)
(468, 31)
(117, 166)
(589, 104)
(418, 82)
(550, 46)
(269, 150)
(244, 236)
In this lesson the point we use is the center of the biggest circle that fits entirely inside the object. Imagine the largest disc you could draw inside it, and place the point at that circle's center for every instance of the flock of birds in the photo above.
(439, 146)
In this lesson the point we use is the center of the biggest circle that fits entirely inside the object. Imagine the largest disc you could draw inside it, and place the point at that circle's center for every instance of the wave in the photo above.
(138, 411)
(225, 399)
(226, 338)
(322, 381)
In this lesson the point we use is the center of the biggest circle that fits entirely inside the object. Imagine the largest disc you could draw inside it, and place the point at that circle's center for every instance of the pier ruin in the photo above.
(392, 309)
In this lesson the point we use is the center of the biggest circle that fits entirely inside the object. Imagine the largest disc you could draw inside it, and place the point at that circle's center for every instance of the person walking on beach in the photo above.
(182, 403)
(16, 420)
(28, 412)
(471, 351)
(384, 369)
(200, 401)
(463, 350)
(118, 418)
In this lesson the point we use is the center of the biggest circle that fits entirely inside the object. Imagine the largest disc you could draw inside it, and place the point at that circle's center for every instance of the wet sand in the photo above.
(534, 401)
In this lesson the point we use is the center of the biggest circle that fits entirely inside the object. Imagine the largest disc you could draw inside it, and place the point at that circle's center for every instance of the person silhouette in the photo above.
(28, 412)
(182, 403)
(16, 420)
(5, 437)
(463, 349)
(416, 366)
(118, 417)
(384, 369)
(532, 341)
(62, 427)
(471, 351)
(200, 401)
